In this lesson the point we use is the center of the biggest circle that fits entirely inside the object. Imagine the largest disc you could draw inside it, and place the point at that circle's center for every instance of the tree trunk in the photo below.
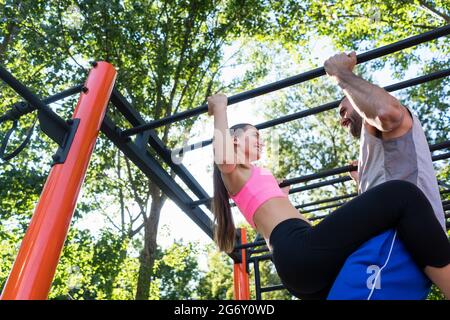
(147, 255)
(146, 260)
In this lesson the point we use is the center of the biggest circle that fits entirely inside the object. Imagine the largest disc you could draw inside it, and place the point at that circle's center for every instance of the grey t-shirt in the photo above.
(404, 158)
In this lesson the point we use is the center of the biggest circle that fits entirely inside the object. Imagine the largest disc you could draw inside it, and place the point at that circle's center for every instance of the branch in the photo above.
(160, 77)
(114, 225)
(65, 44)
(188, 23)
(132, 233)
(200, 83)
(65, 48)
(231, 57)
(105, 213)
(133, 220)
(437, 13)
(188, 83)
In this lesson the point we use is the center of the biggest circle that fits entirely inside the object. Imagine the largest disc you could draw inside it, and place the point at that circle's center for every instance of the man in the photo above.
(392, 146)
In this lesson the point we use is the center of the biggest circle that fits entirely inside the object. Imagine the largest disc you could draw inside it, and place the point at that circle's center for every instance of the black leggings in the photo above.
(308, 259)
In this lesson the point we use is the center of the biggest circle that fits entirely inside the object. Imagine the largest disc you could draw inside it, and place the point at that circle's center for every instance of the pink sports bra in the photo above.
(260, 187)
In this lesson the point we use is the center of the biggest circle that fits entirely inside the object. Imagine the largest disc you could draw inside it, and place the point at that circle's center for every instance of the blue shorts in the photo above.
(381, 269)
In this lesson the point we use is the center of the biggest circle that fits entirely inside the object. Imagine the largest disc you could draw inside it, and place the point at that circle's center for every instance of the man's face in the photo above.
(350, 119)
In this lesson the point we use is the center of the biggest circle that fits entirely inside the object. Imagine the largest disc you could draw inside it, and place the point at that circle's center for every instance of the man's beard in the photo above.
(355, 125)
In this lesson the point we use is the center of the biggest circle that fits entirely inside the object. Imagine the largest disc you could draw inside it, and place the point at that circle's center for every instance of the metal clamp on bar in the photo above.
(18, 110)
(61, 154)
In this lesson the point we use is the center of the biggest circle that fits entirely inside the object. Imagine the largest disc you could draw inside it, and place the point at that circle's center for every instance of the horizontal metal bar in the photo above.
(18, 110)
(345, 169)
(253, 251)
(63, 94)
(293, 190)
(320, 184)
(326, 200)
(440, 146)
(272, 288)
(299, 189)
(335, 104)
(318, 175)
(32, 99)
(324, 107)
(315, 73)
(441, 156)
(180, 151)
(323, 208)
(262, 257)
(444, 204)
(250, 245)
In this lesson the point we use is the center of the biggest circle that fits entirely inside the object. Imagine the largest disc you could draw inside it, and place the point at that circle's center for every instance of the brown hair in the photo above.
(224, 233)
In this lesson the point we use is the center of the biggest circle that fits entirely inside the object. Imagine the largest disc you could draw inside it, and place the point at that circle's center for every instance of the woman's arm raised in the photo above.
(224, 154)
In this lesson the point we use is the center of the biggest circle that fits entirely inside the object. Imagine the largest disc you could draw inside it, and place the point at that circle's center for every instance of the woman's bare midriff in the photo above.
(271, 213)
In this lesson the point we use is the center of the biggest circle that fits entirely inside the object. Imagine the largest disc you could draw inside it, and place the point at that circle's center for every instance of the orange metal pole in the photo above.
(245, 285)
(236, 277)
(241, 281)
(35, 265)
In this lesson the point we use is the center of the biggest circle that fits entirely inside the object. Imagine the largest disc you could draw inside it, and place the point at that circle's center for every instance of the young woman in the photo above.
(308, 258)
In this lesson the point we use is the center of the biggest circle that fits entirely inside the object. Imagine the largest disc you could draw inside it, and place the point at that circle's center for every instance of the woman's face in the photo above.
(250, 143)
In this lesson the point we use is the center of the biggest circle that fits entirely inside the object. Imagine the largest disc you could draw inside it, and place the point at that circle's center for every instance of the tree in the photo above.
(176, 272)
(217, 283)
(91, 268)
(168, 55)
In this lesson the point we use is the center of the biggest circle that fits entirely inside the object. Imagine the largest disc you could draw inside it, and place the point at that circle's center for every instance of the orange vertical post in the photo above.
(241, 281)
(35, 265)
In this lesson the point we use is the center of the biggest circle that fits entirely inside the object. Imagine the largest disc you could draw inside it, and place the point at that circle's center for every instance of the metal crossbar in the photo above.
(322, 108)
(306, 76)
